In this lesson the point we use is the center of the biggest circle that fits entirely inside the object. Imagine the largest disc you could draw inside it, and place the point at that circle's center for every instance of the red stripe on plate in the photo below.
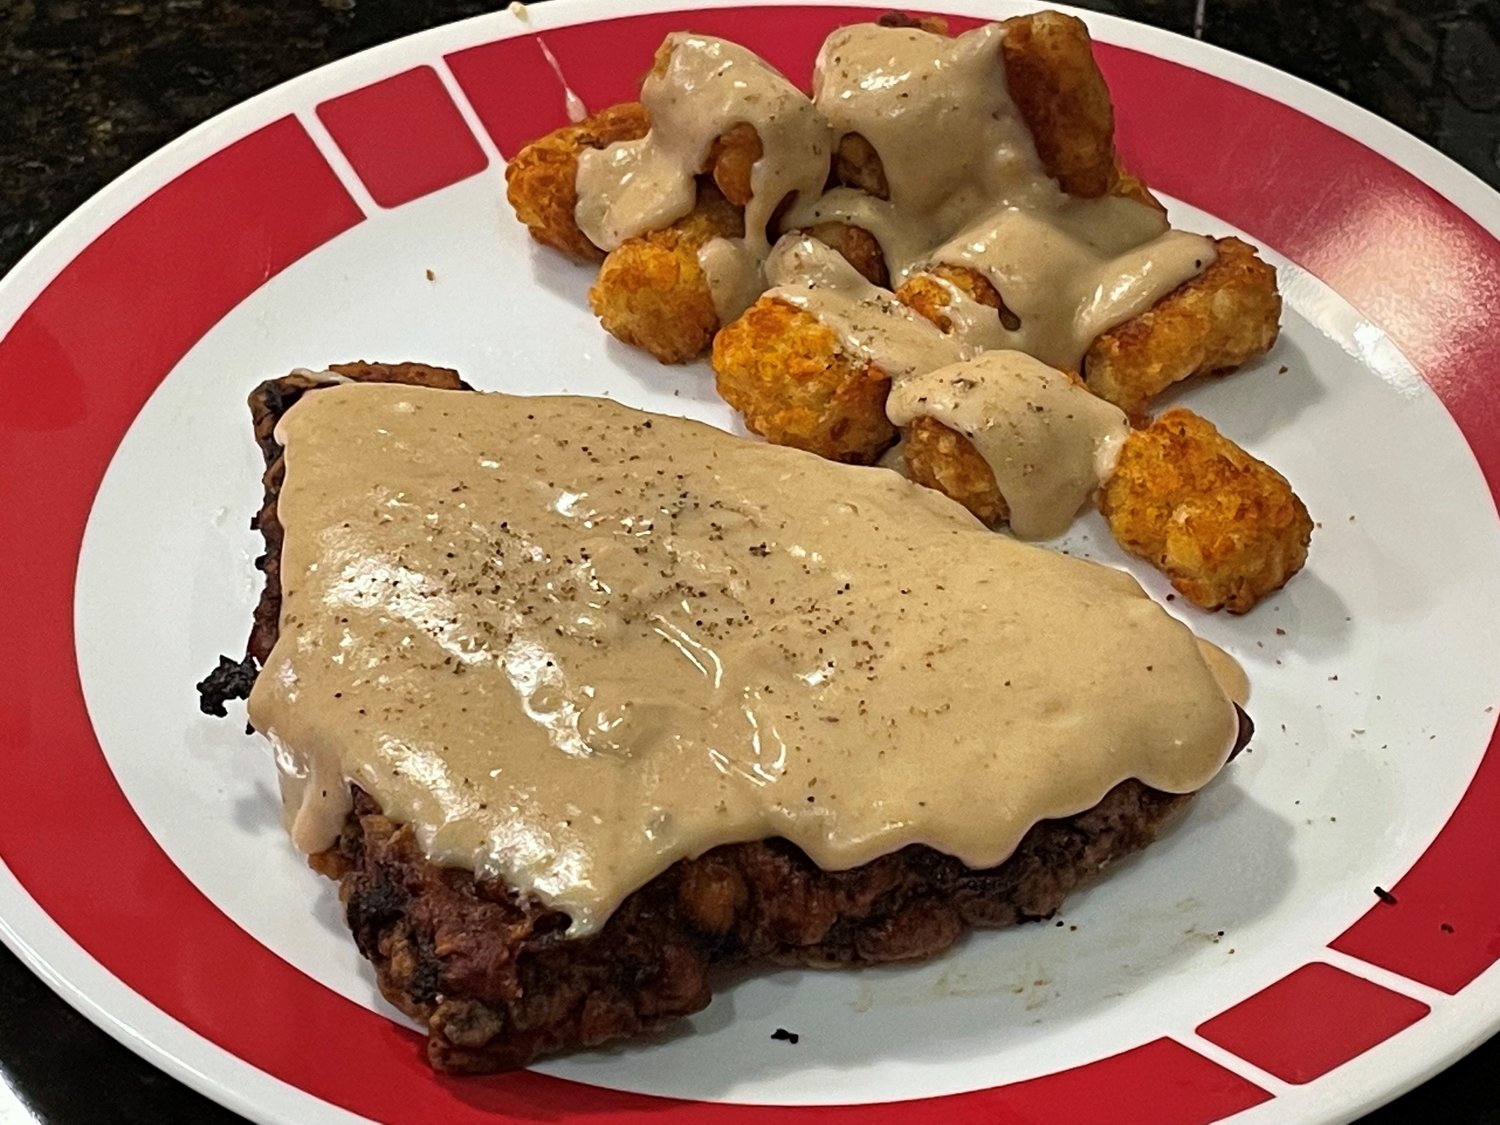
(86, 355)
(1157, 1083)
(403, 136)
(519, 97)
(1124, 1089)
(1311, 1021)
(1444, 927)
(1356, 220)
(513, 90)
(82, 359)
(74, 371)
(1340, 210)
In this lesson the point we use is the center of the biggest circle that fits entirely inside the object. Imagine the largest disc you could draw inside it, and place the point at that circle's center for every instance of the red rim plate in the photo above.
(81, 359)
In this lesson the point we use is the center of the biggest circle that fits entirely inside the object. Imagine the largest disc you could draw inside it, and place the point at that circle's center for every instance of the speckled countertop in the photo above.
(90, 87)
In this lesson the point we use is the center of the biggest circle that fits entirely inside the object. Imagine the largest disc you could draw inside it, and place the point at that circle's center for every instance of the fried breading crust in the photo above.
(1228, 314)
(488, 973)
(788, 376)
(947, 461)
(1226, 528)
(486, 967)
(651, 291)
(933, 25)
(540, 179)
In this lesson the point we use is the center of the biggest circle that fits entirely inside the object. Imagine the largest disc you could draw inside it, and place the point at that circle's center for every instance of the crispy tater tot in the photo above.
(790, 378)
(925, 294)
(945, 460)
(1226, 528)
(856, 164)
(1226, 315)
(1133, 187)
(1062, 97)
(732, 158)
(651, 291)
(858, 247)
(540, 181)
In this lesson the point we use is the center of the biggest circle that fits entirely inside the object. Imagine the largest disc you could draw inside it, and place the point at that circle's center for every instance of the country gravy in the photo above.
(571, 643)
(964, 184)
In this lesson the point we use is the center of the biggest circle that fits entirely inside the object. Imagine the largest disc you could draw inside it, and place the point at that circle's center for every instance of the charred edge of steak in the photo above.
(498, 983)
(232, 679)
(268, 402)
(492, 973)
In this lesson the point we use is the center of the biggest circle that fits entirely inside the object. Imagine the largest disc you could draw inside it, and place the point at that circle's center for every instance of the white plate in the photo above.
(309, 227)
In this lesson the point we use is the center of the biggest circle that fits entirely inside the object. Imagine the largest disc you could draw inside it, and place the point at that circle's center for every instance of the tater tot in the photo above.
(1226, 528)
(856, 164)
(651, 291)
(731, 160)
(1226, 315)
(540, 180)
(935, 455)
(789, 377)
(924, 293)
(1133, 187)
(945, 460)
(858, 247)
(1062, 97)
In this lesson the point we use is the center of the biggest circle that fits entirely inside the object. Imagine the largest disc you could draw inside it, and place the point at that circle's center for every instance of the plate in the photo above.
(1244, 967)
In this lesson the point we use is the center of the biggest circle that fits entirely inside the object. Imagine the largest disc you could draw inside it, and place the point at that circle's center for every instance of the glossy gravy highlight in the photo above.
(571, 643)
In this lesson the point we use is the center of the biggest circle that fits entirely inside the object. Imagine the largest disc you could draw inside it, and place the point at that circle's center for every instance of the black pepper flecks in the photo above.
(784, 1035)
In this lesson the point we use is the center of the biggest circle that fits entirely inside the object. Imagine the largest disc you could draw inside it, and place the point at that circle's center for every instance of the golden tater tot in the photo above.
(941, 458)
(856, 164)
(1226, 315)
(925, 294)
(1133, 187)
(947, 461)
(1226, 528)
(789, 377)
(1061, 95)
(858, 247)
(732, 158)
(651, 290)
(540, 179)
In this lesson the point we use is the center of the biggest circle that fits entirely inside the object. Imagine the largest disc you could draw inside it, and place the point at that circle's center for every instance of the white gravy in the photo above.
(1049, 442)
(570, 643)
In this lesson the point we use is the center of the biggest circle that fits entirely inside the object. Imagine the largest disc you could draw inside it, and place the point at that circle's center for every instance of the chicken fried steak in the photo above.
(492, 969)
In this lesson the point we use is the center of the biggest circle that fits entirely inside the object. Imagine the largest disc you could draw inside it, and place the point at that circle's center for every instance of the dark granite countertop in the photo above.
(93, 86)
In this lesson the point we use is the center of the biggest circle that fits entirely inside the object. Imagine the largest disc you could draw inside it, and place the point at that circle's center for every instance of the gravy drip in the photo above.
(1074, 272)
(1049, 442)
(736, 277)
(965, 184)
(571, 643)
(939, 114)
(700, 89)
(868, 320)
